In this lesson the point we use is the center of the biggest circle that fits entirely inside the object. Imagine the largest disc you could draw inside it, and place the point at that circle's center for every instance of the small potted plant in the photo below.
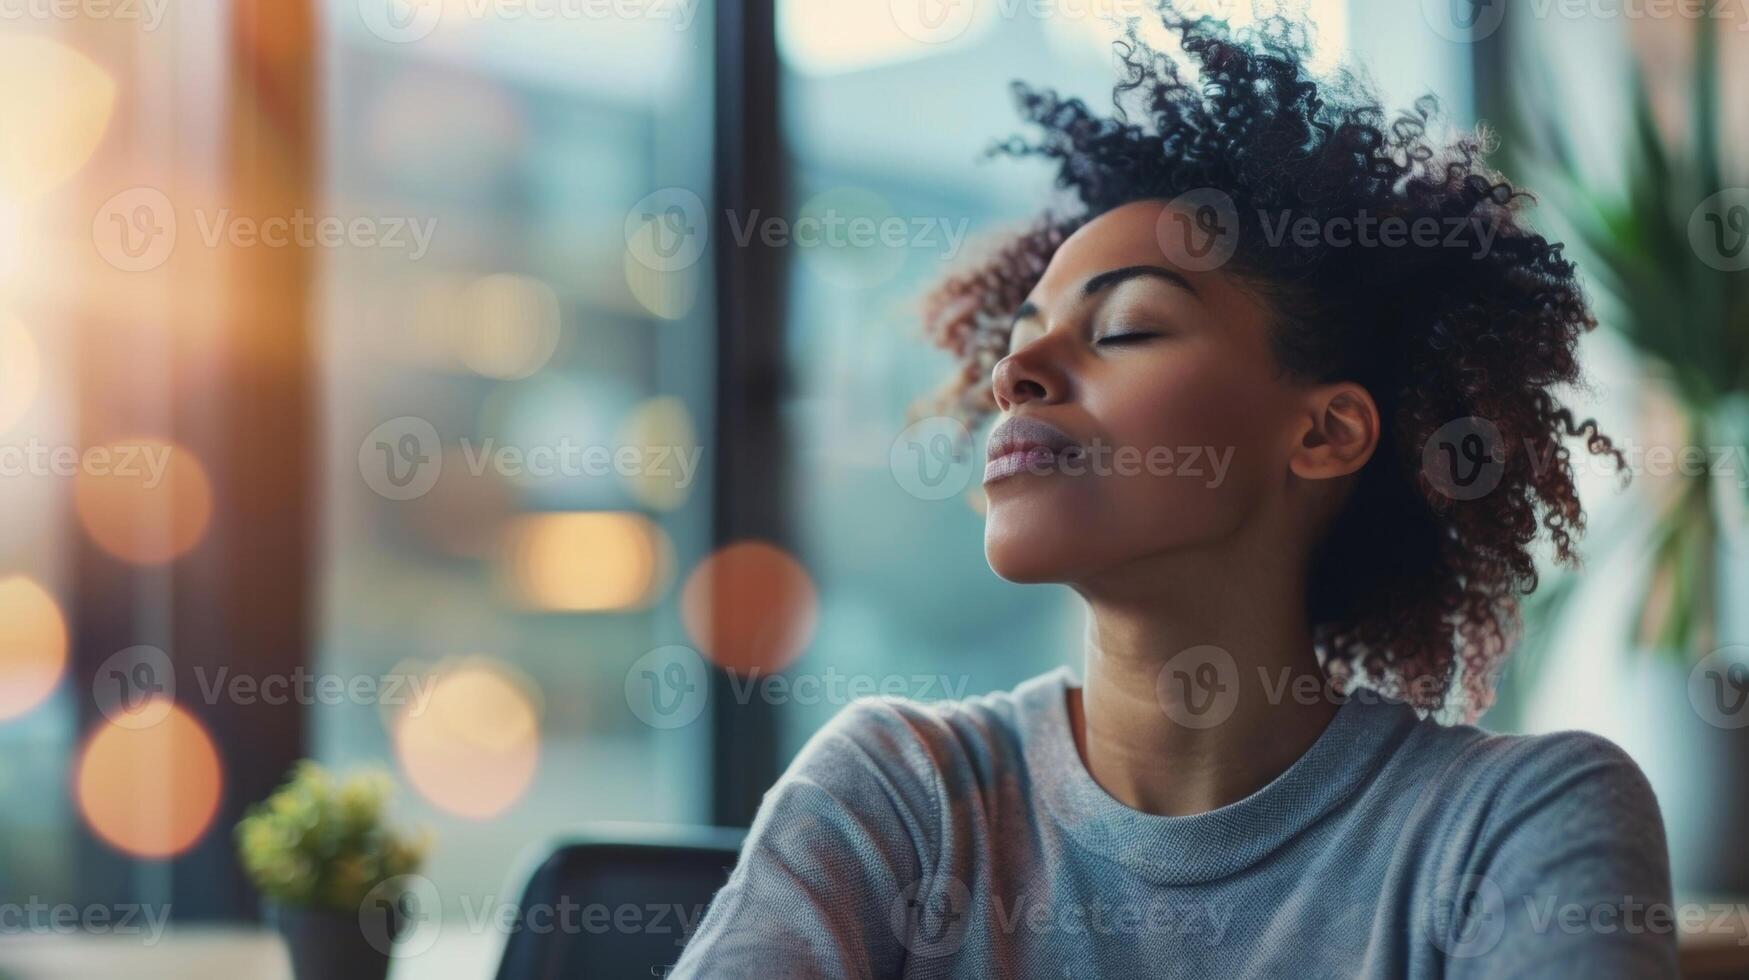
(325, 862)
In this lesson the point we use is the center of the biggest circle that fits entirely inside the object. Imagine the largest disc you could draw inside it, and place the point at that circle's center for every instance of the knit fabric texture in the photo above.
(967, 839)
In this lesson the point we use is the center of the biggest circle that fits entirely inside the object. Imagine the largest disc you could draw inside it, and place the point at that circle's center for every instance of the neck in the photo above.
(1199, 690)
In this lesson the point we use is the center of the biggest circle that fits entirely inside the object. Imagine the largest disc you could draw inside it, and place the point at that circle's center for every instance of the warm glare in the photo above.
(33, 645)
(20, 372)
(586, 562)
(750, 606)
(662, 429)
(509, 326)
(150, 791)
(55, 104)
(143, 500)
(471, 748)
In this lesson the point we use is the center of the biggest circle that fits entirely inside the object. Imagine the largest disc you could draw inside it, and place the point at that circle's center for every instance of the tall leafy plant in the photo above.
(1661, 245)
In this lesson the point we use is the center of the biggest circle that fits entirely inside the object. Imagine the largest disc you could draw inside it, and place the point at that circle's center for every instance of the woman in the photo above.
(1276, 403)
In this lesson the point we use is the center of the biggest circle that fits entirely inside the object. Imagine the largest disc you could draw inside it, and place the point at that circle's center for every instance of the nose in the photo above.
(1029, 374)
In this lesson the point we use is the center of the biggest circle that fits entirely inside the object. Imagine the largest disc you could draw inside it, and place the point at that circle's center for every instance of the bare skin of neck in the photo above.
(1139, 619)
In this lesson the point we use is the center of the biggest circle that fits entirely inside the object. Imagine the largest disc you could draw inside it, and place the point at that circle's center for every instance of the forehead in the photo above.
(1125, 235)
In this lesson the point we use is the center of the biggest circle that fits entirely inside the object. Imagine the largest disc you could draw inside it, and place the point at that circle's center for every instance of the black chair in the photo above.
(615, 901)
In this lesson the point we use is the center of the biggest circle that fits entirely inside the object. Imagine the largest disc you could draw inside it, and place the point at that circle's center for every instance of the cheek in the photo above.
(1200, 441)
(1188, 404)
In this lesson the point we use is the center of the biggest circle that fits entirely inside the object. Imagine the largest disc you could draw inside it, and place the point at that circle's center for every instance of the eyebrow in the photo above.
(1106, 280)
(1110, 278)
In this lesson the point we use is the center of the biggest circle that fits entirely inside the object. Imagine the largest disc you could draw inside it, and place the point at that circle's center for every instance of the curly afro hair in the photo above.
(1415, 584)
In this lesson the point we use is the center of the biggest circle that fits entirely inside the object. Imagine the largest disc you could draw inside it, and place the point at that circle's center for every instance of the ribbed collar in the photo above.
(1204, 846)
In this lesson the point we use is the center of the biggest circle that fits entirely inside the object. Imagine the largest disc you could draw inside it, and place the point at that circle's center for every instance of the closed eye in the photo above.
(1132, 337)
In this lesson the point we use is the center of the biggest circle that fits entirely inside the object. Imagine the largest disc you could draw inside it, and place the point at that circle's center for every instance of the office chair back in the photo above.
(615, 901)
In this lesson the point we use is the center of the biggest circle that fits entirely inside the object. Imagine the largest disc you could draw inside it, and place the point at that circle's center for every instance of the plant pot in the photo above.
(326, 944)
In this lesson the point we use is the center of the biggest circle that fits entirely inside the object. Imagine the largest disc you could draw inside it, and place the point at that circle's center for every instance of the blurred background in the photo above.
(511, 397)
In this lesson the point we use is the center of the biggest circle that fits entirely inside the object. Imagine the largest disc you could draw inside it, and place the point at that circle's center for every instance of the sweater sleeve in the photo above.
(1571, 875)
(839, 845)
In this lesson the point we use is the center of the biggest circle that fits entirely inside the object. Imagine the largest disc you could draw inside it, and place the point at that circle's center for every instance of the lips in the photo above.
(1021, 444)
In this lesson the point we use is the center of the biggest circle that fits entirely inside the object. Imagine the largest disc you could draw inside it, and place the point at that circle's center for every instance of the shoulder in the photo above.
(909, 741)
(1567, 776)
(1559, 813)
(917, 755)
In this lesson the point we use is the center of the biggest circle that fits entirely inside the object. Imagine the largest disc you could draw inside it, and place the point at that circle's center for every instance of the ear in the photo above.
(1339, 432)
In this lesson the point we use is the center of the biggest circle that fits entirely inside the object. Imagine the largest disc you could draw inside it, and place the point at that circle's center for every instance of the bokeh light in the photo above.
(750, 606)
(20, 372)
(669, 294)
(150, 791)
(33, 645)
(509, 327)
(471, 748)
(587, 561)
(145, 501)
(663, 428)
(55, 104)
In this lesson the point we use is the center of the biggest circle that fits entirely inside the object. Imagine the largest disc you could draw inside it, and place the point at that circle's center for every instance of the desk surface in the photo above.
(220, 953)
(1717, 949)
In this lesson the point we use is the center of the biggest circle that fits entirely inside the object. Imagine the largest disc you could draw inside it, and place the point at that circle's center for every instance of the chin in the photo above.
(1023, 555)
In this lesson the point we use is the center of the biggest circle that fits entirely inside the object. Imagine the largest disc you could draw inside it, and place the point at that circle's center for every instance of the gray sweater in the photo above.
(967, 839)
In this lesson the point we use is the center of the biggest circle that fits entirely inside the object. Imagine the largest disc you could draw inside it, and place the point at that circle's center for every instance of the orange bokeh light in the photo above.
(145, 501)
(33, 645)
(587, 561)
(150, 791)
(750, 606)
(471, 747)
